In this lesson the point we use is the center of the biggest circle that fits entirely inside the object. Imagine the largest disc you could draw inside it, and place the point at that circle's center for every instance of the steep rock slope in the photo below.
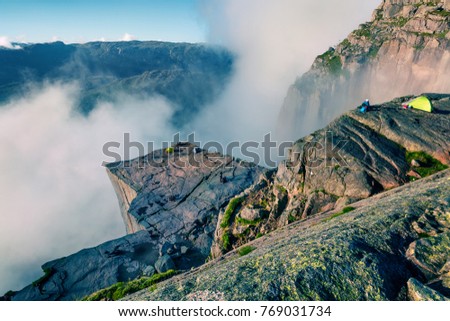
(73, 277)
(354, 157)
(170, 200)
(404, 50)
(393, 246)
(187, 75)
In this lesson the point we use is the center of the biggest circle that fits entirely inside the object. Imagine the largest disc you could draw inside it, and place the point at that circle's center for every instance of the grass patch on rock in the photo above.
(443, 13)
(226, 241)
(47, 275)
(234, 203)
(245, 250)
(428, 164)
(332, 62)
(345, 210)
(121, 289)
(243, 221)
(226, 221)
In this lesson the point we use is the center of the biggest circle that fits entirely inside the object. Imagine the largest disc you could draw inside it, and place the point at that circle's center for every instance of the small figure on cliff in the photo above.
(365, 106)
(223, 179)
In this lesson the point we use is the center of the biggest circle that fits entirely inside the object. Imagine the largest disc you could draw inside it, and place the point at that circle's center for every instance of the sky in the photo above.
(88, 20)
(55, 197)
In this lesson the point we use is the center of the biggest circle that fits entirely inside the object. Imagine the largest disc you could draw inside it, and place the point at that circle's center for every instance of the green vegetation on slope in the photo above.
(428, 164)
(332, 62)
(121, 289)
(226, 240)
(245, 250)
(234, 203)
(345, 210)
(47, 274)
(243, 221)
(442, 13)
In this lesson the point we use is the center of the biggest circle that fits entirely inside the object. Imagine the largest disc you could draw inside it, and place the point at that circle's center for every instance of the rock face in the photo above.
(177, 197)
(170, 202)
(404, 50)
(419, 292)
(75, 276)
(189, 76)
(361, 255)
(356, 156)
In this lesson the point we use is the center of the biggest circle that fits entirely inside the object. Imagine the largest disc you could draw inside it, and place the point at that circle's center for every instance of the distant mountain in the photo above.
(403, 50)
(188, 75)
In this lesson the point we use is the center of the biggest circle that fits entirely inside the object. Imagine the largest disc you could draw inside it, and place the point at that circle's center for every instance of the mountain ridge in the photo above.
(189, 76)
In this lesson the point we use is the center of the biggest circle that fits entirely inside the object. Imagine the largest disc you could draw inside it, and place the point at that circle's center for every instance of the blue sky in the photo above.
(87, 20)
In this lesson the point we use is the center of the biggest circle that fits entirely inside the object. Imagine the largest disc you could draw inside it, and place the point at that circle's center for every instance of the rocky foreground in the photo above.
(393, 246)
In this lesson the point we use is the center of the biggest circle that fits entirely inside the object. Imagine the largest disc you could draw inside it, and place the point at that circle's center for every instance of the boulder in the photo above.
(149, 271)
(164, 264)
(251, 214)
(415, 163)
(431, 254)
(316, 203)
(420, 292)
(414, 174)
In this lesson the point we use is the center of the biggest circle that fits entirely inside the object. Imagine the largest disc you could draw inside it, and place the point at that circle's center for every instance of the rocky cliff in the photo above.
(355, 157)
(393, 246)
(170, 200)
(403, 50)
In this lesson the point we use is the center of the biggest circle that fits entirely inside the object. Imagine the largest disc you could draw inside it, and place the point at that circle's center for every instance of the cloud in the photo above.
(275, 41)
(127, 37)
(4, 42)
(55, 197)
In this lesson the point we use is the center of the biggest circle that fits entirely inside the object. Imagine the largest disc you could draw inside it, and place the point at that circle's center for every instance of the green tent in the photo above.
(422, 103)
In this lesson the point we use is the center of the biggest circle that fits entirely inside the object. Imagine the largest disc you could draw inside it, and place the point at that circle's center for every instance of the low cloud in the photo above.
(275, 41)
(55, 197)
(127, 37)
(6, 43)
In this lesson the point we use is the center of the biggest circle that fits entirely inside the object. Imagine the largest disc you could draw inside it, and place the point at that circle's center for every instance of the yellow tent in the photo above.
(421, 103)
